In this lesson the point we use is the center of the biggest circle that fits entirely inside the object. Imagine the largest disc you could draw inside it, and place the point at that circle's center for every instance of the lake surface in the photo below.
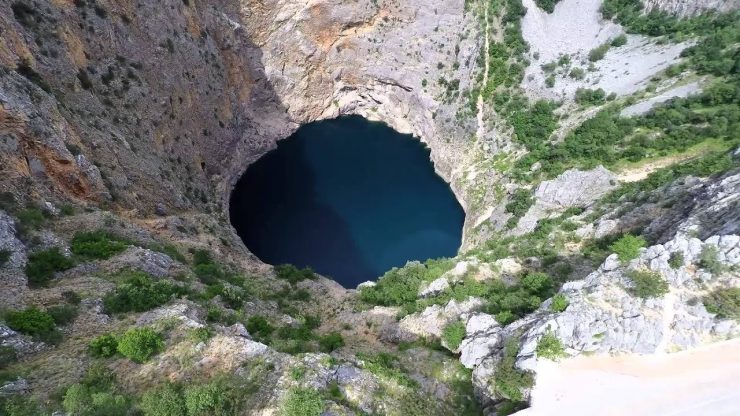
(349, 198)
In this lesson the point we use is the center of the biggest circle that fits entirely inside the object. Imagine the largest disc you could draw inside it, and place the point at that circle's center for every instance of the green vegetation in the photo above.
(550, 347)
(34, 322)
(63, 314)
(709, 261)
(30, 219)
(508, 380)
(331, 342)
(302, 402)
(676, 260)
(520, 202)
(589, 97)
(42, 265)
(95, 395)
(647, 284)
(205, 399)
(628, 247)
(164, 401)
(387, 366)
(139, 293)
(724, 302)
(453, 334)
(259, 327)
(399, 286)
(559, 303)
(140, 344)
(620, 40)
(293, 274)
(4, 257)
(598, 53)
(577, 73)
(104, 346)
(547, 5)
(97, 245)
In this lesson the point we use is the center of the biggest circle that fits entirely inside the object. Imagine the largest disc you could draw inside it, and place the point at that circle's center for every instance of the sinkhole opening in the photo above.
(349, 198)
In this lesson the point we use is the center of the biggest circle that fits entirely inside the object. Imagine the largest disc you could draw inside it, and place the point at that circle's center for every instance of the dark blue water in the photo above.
(348, 197)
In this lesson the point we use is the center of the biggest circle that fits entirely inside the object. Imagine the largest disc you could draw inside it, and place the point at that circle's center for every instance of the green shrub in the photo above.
(233, 296)
(164, 401)
(139, 344)
(387, 366)
(31, 218)
(537, 283)
(104, 346)
(208, 273)
(201, 334)
(81, 400)
(505, 317)
(550, 81)
(63, 314)
(259, 327)
(71, 297)
(724, 302)
(204, 399)
(598, 53)
(550, 347)
(139, 293)
(709, 261)
(21, 405)
(331, 342)
(97, 244)
(587, 96)
(627, 247)
(202, 256)
(676, 260)
(399, 286)
(31, 321)
(302, 402)
(293, 274)
(647, 284)
(509, 381)
(519, 202)
(453, 334)
(42, 265)
(577, 73)
(620, 40)
(7, 356)
(547, 5)
(559, 303)
(5, 256)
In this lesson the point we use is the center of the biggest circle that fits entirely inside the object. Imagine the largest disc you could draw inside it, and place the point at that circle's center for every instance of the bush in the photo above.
(647, 284)
(71, 297)
(7, 355)
(4, 256)
(587, 96)
(547, 5)
(97, 244)
(550, 347)
(233, 296)
(164, 401)
(519, 202)
(201, 334)
(400, 286)
(139, 344)
(139, 293)
(331, 342)
(577, 73)
(453, 334)
(537, 283)
(676, 260)
(293, 274)
(81, 400)
(627, 247)
(509, 381)
(708, 260)
(204, 399)
(31, 321)
(387, 366)
(598, 53)
(31, 218)
(41, 266)
(62, 314)
(302, 402)
(208, 273)
(104, 346)
(559, 303)
(505, 317)
(259, 327)
(620, 40)
(724, 302)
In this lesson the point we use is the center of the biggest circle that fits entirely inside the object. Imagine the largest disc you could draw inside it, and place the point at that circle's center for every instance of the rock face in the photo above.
(10, 243)
(685, 8)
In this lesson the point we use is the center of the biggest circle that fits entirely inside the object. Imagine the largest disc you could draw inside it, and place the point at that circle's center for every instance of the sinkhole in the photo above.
(349, 198)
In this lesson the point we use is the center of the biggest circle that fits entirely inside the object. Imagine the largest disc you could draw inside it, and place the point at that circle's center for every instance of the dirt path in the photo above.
(703, 381)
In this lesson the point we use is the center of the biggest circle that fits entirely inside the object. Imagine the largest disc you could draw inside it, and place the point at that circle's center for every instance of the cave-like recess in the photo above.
(349, 198)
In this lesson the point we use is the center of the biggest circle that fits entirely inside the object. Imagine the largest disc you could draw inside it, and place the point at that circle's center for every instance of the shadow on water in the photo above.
(281, 221)
(349, 198)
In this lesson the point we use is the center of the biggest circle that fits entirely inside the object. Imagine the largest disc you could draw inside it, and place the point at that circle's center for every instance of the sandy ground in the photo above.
(703, 381)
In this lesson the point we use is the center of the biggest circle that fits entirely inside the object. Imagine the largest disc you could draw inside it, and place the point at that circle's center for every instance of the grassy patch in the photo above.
(95, 245)
(42, 265)
(550, 347)
(647, 284)
(724, 302)
(453, 334)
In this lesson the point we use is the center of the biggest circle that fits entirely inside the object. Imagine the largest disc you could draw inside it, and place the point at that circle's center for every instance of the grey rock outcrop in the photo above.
(683, 8)
(9, 242)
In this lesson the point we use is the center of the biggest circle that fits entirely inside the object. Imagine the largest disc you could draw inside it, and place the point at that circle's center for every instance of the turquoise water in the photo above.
(348, 197)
